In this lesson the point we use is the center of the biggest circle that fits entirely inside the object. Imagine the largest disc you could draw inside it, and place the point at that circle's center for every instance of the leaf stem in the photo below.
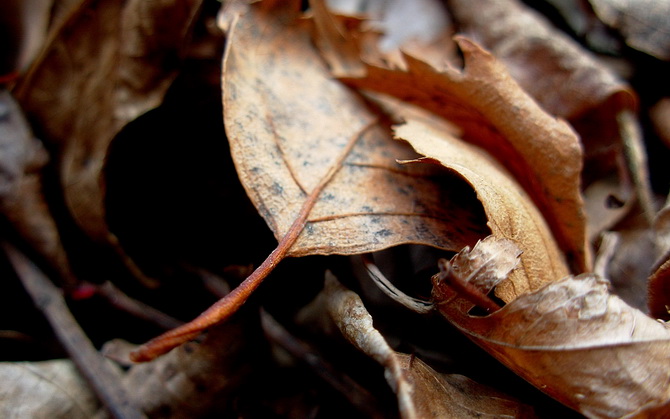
(228, 305)
(465, 289)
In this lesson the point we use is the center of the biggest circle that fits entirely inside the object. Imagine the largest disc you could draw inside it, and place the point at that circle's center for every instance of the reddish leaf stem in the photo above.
(465, 289)
(229, 304)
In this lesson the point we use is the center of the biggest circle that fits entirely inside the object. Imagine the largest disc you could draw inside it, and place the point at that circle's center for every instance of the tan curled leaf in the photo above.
(291, 126)
(105, 65)
(542, 152)
(510, 212)
(568, 82)
(578, 343)
(422, 392)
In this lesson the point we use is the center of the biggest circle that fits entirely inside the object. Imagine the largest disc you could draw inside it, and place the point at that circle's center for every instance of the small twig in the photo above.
(121, 301)
(465, 289)
(345, 385)
(608, 244)
(387, 287)
(228, 305)
(631, 135)
(49, 299)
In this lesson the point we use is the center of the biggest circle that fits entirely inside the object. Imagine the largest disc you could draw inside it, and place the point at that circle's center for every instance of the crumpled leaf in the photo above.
(643, 23)
(495, 113)
(102, 68)
(509, 210)
(290, 126)
(576, 342)
(568, 82)
(472, 273)
(47, 389)
(422, 392)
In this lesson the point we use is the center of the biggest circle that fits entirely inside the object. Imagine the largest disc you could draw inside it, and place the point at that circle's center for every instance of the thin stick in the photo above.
(387, 287)
(636, 158)
(229, 304)
(49, 299)
(121, 301)
(465, 289)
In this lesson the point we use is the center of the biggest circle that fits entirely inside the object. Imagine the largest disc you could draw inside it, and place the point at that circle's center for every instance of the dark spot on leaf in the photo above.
(277, 189)
(384, 233)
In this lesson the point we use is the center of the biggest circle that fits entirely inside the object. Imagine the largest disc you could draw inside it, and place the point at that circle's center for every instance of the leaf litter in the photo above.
(350, 136)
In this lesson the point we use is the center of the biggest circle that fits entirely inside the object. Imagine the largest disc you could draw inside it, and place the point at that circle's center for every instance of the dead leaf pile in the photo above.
(479, 183)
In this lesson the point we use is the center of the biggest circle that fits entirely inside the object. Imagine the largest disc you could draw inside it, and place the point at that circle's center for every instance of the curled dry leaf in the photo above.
(568, 82)
(542, 152)
(422, 392)
(291, 126)
(510, 212)
(101, 68)
(576, 342)
(21, 198)
(473, 273)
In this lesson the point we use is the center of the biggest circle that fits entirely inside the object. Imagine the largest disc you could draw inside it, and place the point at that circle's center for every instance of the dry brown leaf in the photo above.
(543, 153)
(100, 69)
(315, 162)
(290, 126)
(422, 392)
(21, 197)
(198, 379)
(632, 261)
(510, 212)
(576, 342)
(568, 82)
(47, 389)
(643, 23)
(562, 76)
